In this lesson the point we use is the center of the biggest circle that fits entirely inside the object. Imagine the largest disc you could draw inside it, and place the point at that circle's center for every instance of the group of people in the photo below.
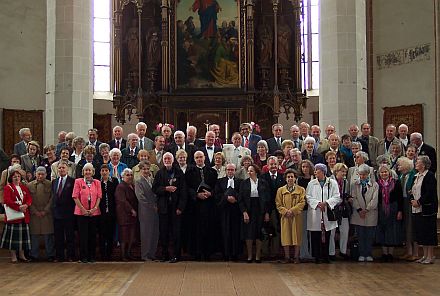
(180, 194)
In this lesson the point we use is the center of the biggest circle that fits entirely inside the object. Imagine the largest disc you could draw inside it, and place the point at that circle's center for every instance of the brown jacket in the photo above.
(126, 201)
(41, 193)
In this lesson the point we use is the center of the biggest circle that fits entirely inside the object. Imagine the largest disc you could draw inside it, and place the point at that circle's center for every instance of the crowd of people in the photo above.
(296, 200)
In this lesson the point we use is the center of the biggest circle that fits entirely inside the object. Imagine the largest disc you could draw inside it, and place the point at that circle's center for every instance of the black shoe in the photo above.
(165, 259)
(384, 258)
(257, 260)
(50, 259)
(249, 261)
(390, 258)
(317, 261)
(174, 260)
(332, 257)
(92, 260)
(327, 261)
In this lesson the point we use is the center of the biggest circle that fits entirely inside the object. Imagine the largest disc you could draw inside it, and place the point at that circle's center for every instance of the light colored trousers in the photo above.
(343, 238)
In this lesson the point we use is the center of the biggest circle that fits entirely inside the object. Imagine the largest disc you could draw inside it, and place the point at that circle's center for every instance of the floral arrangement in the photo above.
(256, 129)
(158, 130)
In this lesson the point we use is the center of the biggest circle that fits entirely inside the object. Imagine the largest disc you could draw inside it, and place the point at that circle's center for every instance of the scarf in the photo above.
(346, 151)
(341, 186)
(386, 187)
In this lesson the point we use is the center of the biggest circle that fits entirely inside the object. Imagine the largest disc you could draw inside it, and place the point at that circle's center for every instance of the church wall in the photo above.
(403, 24)
(22, 55)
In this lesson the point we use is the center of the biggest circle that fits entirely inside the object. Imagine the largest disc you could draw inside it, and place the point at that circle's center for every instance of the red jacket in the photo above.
(10, 197)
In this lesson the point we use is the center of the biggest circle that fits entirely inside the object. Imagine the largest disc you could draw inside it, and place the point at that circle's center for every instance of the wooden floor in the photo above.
(218, 278)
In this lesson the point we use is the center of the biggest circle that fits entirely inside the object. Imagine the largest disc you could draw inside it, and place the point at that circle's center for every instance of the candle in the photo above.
(187, 125)
(226, 131)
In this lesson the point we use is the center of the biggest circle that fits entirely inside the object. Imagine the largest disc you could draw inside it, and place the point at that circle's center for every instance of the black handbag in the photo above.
(331, 214)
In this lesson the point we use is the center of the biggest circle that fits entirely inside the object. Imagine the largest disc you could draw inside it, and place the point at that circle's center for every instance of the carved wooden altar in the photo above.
(198, 61)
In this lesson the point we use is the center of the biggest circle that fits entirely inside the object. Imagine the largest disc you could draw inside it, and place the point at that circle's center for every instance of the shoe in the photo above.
(50, 259)
(332, 257)
(361, 259)
(390, 258)
(249, 261)
(174, 260)
(405, 257)
(14, 261)
(326, 261)
(296, 261)
(421, 260)
(317, 261)
(83, 261)
(369, 259)
(257, 260)
(384, 258)
(92, 261)
(284, 261)
(411, 258)
(428, 261)
(24, 260)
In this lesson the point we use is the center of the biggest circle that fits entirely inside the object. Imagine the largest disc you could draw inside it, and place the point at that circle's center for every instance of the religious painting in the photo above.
(207, 44)
(411, 115)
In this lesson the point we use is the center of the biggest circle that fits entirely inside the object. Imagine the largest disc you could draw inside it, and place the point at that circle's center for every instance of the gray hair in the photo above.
(191, 127)
(358, 144)
(89, 166)
(77, 140)
(405, 163)
(115, 150)
(362, 154)
(179, 133)
(363, 169)
(272, 158)
(23, 130)
(125, 171)
(132, 136)
(425, 160)
(263, 143)
(117, 127)
(382, 158)
(62, 161)
(41, 169)
(104, 146)
(246, 157)
(309, 139)
(140, 123)
(416, 136)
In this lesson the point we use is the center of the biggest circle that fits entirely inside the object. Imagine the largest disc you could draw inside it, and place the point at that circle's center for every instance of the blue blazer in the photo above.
(121, 167)
(253, 141)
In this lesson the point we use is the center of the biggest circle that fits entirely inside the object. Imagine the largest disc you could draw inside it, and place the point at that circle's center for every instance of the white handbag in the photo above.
(12, 215)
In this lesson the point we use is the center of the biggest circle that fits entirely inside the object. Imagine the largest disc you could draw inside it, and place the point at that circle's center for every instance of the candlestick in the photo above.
(226, 132)
(187, 125)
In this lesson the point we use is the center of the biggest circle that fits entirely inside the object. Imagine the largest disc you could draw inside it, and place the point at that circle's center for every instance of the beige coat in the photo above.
(370, 204)
(291, 227)
(41, 193)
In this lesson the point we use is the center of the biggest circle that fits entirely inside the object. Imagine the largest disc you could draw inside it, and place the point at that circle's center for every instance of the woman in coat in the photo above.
(41, 224)
(253, 201)
(424, 208)
(407, 177)
(290, 201)
(126, 213)
(87, 195)
(148, 217)
(31, 160)
(322, 193)
(306, 169)
(365, 195)
(389, 232)
(16, 237)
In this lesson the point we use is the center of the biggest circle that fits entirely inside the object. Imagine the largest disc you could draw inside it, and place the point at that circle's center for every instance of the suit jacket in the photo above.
(207, 162)
(153, 159)
(229, 152)
(429, 151)
(273, 186)
(148, 145)
(193, 179)
(244, 196)
(428, 195)
(190, 149)
(314, 158)
(97, 143)
(197, 143)
(126, 201)
(299, 143)
(253, 141)
(273, 145)
(63, 204)
(123, 143)
(381, 146)
(129, 160)
(364, 144)
(170, 201)
(373, 144)
(26, 163)
(20, 148)
(221, 192)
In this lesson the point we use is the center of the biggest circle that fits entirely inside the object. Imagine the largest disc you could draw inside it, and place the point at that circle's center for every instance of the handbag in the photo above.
(331, 214)
(12, 215)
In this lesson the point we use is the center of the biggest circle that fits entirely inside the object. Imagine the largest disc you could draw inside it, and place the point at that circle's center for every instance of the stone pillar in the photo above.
(343, 75)
(69, 79)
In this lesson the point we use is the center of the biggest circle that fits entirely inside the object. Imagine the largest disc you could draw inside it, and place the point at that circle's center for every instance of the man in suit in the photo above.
(216, 129)
(226, 197)
(304, 128)
(335, 143)
(353, 131)
(403, 135)
(275, 180)
(384, 145)
(191, 137)
(67, 143)
(330, 129)
(129, 153)
(295, 137)
(179, 143)
(93, 138)
(118, 141)
(144, 142)
(234, 154)
(424, 149)
(371, 141)
(170, 188)
(155, 155)
(321, 145)
(63, 208)
(20, 148)
(274, 143)
(249, 140)
(209, 149)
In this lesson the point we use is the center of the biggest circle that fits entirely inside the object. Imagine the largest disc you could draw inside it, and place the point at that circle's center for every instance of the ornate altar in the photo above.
(207, 61)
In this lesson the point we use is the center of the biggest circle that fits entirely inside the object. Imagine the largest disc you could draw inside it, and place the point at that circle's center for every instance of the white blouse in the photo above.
(254, 188)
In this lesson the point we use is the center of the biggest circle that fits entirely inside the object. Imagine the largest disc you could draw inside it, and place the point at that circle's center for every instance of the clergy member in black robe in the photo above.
(226, 194)
(201, 184)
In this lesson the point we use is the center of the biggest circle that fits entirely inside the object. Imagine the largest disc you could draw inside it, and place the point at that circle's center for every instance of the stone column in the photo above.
(343, 74)
(69, 79)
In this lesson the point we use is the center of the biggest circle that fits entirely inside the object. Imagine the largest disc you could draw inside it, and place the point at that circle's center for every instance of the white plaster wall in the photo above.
(22, 54)
(400, 24)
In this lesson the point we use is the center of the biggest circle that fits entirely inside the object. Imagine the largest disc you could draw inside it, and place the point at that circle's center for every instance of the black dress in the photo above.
(256, 207)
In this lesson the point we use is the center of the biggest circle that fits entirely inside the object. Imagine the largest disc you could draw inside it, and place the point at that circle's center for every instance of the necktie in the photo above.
(180, 147)
(117, 144)
(141, 144)
(131, 152)
(246, 142)
(274, 177)
(296, 143)
(158, 156)
(209, 148)
(115, 171)
(60, 186)
(279, 142)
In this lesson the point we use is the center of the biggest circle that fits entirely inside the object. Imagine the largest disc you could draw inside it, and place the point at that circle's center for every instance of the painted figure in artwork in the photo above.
(207, 10)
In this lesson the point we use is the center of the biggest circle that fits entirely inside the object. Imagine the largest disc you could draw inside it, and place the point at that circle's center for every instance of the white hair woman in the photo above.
(116, 166)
